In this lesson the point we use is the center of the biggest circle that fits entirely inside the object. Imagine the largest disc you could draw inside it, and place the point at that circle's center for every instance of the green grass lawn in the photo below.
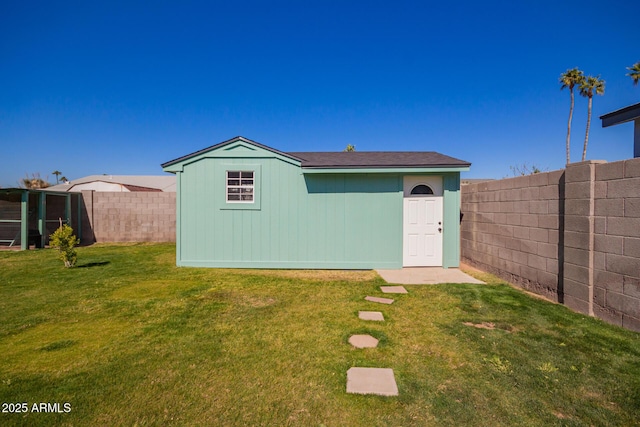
(127, 338)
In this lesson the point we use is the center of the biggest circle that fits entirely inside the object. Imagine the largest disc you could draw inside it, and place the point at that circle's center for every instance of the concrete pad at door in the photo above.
(363, 341)
(380, 300)
(371, 315)
(426, 276)
(393, 290)
(380, 381)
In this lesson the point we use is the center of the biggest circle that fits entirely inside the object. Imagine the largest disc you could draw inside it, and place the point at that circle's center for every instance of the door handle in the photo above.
(440, 230)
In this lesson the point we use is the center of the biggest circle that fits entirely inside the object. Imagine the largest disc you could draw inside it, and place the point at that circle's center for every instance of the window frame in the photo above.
(220, 186)
(240, 186)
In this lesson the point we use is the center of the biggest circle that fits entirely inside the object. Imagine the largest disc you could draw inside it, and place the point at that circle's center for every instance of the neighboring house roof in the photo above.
(622, 115)
(166, 183)
(350, 160)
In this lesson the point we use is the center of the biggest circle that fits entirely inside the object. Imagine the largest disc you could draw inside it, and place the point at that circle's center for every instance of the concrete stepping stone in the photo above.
(393, 290)
(371, 315)
(363, 341)
(380, 381)
(380, 300)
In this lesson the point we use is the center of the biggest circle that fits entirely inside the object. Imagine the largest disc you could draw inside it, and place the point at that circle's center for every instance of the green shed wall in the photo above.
(333, 221)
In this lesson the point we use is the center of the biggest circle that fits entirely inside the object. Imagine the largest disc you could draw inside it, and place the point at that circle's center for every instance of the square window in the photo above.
(240, 186)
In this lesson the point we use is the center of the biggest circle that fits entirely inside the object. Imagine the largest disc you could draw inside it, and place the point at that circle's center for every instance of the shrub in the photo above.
(64, 241)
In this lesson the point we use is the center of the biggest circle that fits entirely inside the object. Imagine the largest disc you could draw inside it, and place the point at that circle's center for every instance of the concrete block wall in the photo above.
(511, 228)
(616, 264)
(572, 236)
(129, 216)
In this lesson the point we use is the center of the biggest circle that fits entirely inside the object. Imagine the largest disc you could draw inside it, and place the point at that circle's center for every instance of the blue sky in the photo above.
(121, 87)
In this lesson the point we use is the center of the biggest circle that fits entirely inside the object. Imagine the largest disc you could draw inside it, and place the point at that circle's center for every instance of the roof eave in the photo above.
(623, 115)
(387, 169)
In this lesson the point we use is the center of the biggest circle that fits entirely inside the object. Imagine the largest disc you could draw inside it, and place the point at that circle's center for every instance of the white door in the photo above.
(422, 223)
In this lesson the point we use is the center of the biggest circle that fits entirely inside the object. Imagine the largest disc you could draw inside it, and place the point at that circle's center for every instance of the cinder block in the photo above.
(519, 257)
(576, 256)
(599, 261)
(632, 168)
(537, 262)
(529, 273)
(631, 323)
(512, 243)
(554, 177)
(552, 266)
(600, 189)
(530, 220)
(609, 207)
(522, 206)
(608, 315)
(628, 187)
(539, 235)
(631, 288)
(632, 207)
(600, 225)
(577, 190)
(531, 193)
(629, 227)
(513, 219)
(548, 279)
(576, 304)
(581, 171)
(623, 264)
(554, 236)
(609, 244)
(576, 289)
(506, 207)
(548, 221)
(539, 179)
(547, 250)
(626, 304)
(607, 171)
(599, 296)
(576, 273)
(529, 247)
(575, 239)
(521, 233)
(576, 223)
(539, 207)
(550, 192)
(578, 206)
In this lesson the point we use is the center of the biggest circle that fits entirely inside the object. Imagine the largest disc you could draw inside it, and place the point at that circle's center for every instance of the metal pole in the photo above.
(24, 221)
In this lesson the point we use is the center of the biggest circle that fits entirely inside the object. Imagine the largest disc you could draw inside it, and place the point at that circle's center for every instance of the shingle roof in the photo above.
(352, 159)
(380, 159)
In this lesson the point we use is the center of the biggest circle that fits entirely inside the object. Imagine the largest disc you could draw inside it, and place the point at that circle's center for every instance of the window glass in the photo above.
(421, 189)
(240, 186)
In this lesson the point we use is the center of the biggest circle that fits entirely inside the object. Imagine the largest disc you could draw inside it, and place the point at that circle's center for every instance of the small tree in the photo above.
(64, 241)
(634, 73)
(588, 87)
(350, 148)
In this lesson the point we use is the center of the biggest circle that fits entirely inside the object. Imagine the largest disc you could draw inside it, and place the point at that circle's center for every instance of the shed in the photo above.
(241, 204)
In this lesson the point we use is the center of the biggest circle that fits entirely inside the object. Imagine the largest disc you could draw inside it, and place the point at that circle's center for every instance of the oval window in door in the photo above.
(421, 190)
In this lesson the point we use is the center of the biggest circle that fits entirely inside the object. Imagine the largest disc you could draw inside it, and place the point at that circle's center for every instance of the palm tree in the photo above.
(634, 73)
(589, 87)
(57, 173)
(570, 79)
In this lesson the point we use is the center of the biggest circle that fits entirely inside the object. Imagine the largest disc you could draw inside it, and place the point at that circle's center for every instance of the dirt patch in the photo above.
(483, 325)
(319, 275)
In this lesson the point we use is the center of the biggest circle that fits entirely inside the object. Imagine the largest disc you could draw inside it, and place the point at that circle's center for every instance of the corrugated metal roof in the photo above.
(165, 183)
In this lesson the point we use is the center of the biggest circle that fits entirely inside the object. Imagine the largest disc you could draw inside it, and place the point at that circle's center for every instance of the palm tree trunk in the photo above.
(586, 137)
(569, 128)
